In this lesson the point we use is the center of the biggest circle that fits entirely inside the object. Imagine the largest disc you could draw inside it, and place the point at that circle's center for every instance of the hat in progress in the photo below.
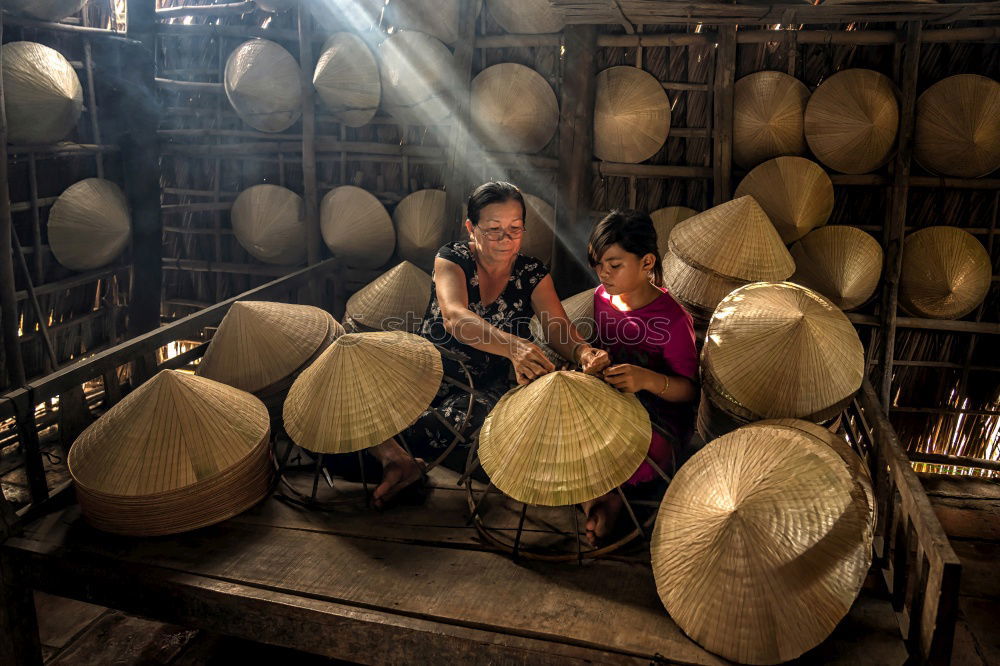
(347, 80)
(768, 109)
(356, 227)
(524, 127)
(565, 438)
(631, 115)
(396, 300)
(843, 263)
(946, 273)
(89, 225)
(43, 97)
(269, 223)
(364, 389)
(957, 132)
(263, 83)
(796, 194)
(761, 544)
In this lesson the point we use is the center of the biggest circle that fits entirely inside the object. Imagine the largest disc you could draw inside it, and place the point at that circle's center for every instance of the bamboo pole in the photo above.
(722, 113)
(457, 173)
(308, 147)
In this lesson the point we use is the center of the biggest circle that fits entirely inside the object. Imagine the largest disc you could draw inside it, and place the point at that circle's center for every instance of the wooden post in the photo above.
(722, 114)
(313, 294)
(576, 154)
(456, 181)
(896, 213)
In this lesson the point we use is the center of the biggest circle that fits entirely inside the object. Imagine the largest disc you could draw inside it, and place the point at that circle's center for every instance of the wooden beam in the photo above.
(949, 325)
(722, 114)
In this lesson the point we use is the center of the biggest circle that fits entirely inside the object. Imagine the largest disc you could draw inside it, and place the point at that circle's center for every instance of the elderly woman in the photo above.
(483, 296)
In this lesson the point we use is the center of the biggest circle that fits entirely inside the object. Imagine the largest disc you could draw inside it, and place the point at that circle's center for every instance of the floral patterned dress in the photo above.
(491, 374)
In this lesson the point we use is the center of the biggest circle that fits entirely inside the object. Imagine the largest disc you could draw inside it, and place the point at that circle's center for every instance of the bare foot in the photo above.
(397, 474)
(602, 514)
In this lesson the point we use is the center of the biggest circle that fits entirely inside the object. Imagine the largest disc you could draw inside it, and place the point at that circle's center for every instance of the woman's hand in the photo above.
(626, 377)
(592, 360)
(529, 361)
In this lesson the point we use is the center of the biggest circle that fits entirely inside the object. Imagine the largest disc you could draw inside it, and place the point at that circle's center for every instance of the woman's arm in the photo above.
(469, 328)
(560, 333)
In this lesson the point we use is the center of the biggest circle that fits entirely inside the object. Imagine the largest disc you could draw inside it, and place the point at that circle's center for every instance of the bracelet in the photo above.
(666, 385)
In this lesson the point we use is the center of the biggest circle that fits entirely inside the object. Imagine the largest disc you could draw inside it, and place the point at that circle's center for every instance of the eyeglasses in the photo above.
(499, 234)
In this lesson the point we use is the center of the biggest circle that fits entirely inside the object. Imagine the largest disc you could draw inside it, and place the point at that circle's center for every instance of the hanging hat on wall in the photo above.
(957, 132)
(437, 18)
(699, 291)
(580, 312)
(782, 350)
(396, 300)
(525, 127)
(347, 79)
(89, 225)
(852, 119)
(796, 194)
(418, 78)
(735, 240)
(539, 236)
(565, 438)
(263, 84)
(364, 389)
(664, 221)
(631, 115)
(421, 226)
(42, 94)
(45, 10)
(356, 227)
(260, 343)
(268, 221)
(768, 108)
(843, 263)
(946, 273)
(178, 453)
(526, 17)
(761, 545)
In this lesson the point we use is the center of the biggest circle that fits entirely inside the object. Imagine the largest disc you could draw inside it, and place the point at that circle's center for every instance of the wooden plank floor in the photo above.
(412, 574)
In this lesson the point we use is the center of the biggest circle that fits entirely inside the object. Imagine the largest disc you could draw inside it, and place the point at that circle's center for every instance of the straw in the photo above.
(356, 227)
(631, 115)
(421, 226)
(269, 223)
(525, 127)
(396, 300)
(43, 97)
(263, 83)
(796, 194)
(767, 117)
(89, 225)
(664, 221)
(946, 273)
(957, 132)
(347, 79)
(843, 263)
(698, 290)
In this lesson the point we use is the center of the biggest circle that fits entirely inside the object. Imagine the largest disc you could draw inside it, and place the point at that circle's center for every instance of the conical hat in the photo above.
(664, 221)
(631, 115)
(438, 18)
(767, 117)
(421, 226)
(45, 10)
(957, 132)
(356, 227)
(539, 236)
(42, 93)
(736, 240)
(259, 343)
(364, 389)
(347, 80)
(565, 438)
(796, 194)
(269, 223)
(852, 119)
(782, 350)
(263, 83)
(525, 127)
(843, 263)
(396, 300)
(946, 273)
(419, 77)
(580, 312)
(700, 291)
(89, 225)
(174, 431)
(526, 17)
(761, 545)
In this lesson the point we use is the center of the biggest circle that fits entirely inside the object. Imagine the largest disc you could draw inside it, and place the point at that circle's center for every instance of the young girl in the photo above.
(650, 338)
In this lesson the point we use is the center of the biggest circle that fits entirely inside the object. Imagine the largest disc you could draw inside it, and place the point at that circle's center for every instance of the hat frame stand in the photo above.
(286, 462)
(517, 551)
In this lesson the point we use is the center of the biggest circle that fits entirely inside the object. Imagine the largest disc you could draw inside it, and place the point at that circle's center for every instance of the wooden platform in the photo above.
(410, 584)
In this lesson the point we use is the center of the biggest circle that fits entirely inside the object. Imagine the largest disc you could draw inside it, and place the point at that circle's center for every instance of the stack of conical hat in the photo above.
(796, 194)
(525, 127)
(713, 252)
(843, 263)
(631, 115)
(779, 350)
(419, 77)
(768, 108)
(539, 235)
(957, 132)
(762, 543)
(263, 83)
(421, 226)
(347, 79)
(43, 97)
(44, 10)
(946, 273)
(394, 301)
(364, 389)
(356, 227)
(580, 312)
(526, 17)
(178, 453)
(89, 224)
(565, 438)
(269, 223)
(664, 221)
(852, 119)
(261, 345)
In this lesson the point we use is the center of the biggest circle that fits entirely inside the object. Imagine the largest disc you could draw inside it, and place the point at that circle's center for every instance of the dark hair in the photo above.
(491, 193)
(633, 231)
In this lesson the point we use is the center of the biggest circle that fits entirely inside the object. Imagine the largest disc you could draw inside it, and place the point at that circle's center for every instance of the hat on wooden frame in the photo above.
(631, 115)
(841, 262)
(946, 273)
(956, 132)
(796, 194)
(768, 110)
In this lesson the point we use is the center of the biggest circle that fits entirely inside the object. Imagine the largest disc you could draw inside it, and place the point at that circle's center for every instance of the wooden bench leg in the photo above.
(18, 623)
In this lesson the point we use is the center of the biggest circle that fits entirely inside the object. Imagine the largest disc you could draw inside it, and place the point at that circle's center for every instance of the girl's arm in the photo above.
(633, 378)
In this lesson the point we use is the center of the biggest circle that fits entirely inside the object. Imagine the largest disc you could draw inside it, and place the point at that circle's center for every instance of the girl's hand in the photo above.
(529, 361)
(626, 377)
(592, 360)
